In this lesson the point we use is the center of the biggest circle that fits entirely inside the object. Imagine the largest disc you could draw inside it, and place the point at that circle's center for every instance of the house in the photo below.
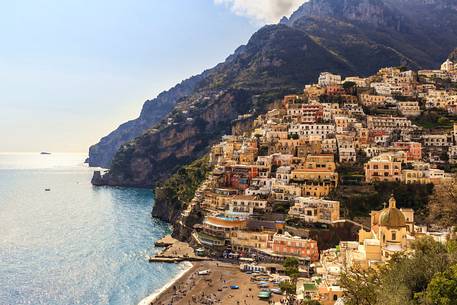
(409, 108)
(329, 79)
(322, 130)
(315, 209)
(372, 100)
(288, 245)
(413, 150)
(448, 66)
(452, 153)
(436, 140)
(346, 148)
(385, 167)
(388, 123)
(242, 240)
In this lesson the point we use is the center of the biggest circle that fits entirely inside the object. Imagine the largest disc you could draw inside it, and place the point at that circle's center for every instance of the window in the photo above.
(394, 235)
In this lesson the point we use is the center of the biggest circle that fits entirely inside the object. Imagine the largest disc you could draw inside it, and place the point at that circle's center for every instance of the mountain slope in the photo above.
(102, 153)
(341, 36)
(375, 33)
(270, 65)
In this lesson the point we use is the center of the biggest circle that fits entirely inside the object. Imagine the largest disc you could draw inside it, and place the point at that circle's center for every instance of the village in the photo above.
(270, 194)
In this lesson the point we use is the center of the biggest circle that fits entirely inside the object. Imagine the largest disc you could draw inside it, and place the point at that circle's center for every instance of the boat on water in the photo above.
(45, 153)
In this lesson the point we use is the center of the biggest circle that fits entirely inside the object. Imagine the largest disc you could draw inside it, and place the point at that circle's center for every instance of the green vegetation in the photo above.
(426, 276)
(434, 119)
(291, 265)
(358, 201)
(180, 188)
(281, 207)
(442, 208)
(442, 289)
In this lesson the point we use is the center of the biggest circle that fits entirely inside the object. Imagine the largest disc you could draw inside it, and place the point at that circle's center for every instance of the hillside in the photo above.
(346, 37)
(102, 153)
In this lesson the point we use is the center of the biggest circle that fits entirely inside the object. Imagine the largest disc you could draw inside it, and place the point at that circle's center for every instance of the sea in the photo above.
(64, 241)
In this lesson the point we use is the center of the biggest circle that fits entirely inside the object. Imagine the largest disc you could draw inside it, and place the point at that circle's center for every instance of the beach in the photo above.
(214, 288)
(187, 267)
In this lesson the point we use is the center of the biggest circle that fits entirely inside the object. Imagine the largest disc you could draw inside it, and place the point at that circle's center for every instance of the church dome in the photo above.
(392, 217)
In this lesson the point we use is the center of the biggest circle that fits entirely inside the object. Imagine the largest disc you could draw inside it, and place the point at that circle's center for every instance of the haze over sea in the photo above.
(74, 244)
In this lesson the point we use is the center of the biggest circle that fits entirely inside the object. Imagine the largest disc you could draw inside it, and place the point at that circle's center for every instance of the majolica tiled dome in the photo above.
(392, 217)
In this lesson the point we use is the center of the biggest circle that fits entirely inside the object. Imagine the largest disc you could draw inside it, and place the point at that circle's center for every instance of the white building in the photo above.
(409, 108)
(242, 204)
(447, 66)
(315, 209)
(321, 130)
(329, 79)
(436, 140)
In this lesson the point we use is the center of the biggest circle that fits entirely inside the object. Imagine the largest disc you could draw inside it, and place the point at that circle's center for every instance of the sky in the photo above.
(71, 71)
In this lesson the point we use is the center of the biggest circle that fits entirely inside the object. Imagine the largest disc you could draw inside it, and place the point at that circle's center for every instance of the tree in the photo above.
(349, 87)
(442, 207)
(360, 286)
(442, 289)
(288, 287)
(406, 279)
(291, 265)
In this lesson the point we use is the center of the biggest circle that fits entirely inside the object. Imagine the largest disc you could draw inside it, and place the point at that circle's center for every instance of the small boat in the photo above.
(264, 294)
(262, 284)
(276, 290)
(234, 287)
(47, 190)
(45, 153)
(204, 272)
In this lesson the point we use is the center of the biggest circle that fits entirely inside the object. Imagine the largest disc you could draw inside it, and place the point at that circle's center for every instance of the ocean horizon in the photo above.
(64, 241)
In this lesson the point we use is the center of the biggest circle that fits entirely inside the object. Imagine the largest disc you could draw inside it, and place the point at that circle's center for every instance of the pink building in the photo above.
(288, 245)
(413, 150)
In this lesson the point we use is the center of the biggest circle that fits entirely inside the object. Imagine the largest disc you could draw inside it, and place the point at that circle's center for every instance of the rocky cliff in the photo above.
(341, 36)
(102, 153)
(176, 192)
(247, 82)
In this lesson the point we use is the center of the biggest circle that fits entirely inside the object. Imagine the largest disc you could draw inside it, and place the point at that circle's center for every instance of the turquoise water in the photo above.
(75, 244)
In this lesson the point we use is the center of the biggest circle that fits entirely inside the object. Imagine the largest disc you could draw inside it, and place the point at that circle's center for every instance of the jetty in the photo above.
(175, 251)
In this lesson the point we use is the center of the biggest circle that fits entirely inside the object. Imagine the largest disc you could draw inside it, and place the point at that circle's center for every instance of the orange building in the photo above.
(413, 150)
(288, 245)
(384, 167)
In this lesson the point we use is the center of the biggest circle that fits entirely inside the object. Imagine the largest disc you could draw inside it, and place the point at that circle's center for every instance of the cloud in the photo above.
(262, 11)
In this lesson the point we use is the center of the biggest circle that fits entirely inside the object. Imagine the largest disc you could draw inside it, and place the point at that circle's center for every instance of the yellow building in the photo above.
(245, 240)
(317, 176)
(385, 167)
(314, 91)
(413, 176)
(390, 228)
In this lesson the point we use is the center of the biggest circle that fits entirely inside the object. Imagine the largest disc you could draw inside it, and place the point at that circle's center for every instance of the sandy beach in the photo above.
(153, 297)
(214, 288)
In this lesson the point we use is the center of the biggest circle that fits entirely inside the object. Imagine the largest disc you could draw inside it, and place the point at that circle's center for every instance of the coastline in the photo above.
(157, 294)
(213, 287)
